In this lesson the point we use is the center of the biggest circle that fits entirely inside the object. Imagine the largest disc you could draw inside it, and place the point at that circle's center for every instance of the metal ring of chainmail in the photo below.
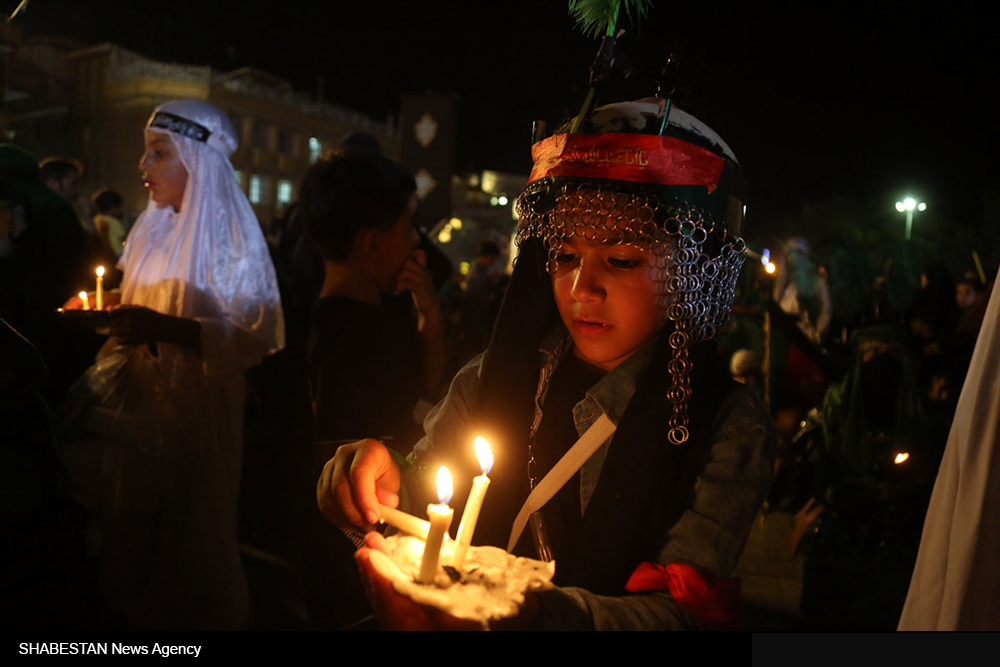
(697, 260)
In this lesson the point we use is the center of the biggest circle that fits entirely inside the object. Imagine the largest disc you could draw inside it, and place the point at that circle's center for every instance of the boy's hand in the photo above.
(359, 477)
(416, 279)
(430, 326)
(393, 610)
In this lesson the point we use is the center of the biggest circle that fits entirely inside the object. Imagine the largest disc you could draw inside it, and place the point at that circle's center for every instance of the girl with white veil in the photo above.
(200, 305)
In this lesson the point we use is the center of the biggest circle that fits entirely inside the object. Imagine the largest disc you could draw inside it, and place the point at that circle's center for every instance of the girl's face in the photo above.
(608, 297)
(163, 173)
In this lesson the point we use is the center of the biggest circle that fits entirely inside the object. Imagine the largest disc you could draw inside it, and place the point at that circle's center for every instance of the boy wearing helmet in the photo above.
(629, 252)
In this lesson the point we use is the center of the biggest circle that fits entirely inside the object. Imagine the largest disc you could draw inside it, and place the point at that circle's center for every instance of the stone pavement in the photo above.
(771, 576)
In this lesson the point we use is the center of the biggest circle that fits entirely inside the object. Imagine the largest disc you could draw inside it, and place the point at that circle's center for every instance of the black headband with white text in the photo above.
(179, 125)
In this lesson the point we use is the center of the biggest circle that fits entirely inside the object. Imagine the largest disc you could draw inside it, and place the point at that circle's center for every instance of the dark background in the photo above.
(869, 101)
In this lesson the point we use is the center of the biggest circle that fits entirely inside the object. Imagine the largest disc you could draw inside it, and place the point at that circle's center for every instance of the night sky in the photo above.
(867, 100)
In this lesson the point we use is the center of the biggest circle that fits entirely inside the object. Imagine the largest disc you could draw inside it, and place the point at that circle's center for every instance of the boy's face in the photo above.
(396, 245)
(608, 297)
(68, 187)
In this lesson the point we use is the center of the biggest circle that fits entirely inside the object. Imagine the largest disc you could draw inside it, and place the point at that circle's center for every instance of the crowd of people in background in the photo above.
(855, 376)
(862, 380)
(48, 252)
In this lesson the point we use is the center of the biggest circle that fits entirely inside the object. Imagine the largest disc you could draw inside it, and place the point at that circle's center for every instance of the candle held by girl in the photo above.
(100, 288)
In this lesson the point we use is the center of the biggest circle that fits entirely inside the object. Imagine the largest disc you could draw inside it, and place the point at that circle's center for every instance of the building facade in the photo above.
(282, 131)
(110, 91)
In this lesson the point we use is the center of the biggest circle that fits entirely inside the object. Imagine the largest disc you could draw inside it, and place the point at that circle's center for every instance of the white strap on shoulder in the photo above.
(561, 472)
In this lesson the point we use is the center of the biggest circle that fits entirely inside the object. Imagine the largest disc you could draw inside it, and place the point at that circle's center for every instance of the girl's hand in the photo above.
(76, 303)
(138, 325)
(110, 299)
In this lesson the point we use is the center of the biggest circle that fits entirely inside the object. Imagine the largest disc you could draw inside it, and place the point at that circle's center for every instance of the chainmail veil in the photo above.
(678, 193)
(667, 194)
(210, 258)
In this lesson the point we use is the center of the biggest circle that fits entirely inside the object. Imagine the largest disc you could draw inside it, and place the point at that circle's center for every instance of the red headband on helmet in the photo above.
(638, 158)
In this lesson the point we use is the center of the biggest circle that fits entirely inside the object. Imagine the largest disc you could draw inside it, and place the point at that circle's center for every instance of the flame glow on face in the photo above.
(609, 299)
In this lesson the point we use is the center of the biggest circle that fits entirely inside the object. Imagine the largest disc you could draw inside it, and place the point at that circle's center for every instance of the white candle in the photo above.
(100, 288)
(470, 516)
(86, 300)
(440, 515)
(405, 522)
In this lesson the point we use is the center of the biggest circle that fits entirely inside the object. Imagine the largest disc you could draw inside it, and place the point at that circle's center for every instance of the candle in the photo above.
(440, 515)
(467, 526)
(405, 522)
(86, 300)
(100, 288)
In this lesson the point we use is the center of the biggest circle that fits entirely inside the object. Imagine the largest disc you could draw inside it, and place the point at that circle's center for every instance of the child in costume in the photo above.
(629, 253)
(199, 305)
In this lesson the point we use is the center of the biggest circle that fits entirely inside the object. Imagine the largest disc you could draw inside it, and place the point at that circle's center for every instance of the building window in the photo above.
(285, 142)
(284, 193)
(258, 189)
(315, 148)
(262, 136)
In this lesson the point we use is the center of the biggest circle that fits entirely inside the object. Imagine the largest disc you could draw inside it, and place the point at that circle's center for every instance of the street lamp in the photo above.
(908, 206)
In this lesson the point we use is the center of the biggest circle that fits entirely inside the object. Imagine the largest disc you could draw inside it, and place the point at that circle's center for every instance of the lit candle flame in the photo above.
(100, 272)
(444, 486)
(770, 267)
(83, 296)
(902, 456)
(485, 455)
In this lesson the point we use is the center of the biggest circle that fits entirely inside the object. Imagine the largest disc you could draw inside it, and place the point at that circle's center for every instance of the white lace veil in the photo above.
(210, 259)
